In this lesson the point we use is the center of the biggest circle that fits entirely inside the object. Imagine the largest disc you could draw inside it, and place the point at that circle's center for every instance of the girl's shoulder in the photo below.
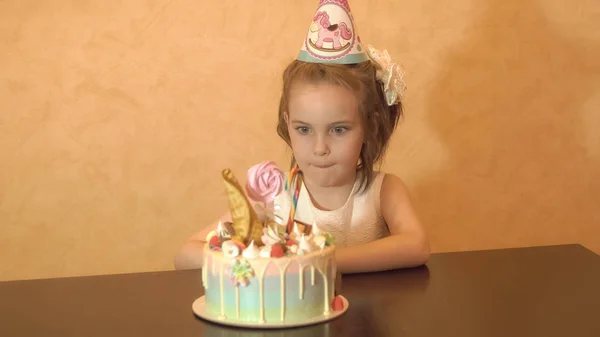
(374, 191)
(393, 191)
(375, 184)
(384, 185)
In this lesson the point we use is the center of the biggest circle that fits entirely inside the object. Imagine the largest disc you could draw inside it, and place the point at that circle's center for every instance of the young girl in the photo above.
(337, 117)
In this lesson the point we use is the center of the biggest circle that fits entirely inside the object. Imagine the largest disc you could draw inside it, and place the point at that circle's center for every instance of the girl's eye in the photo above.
(303, 130)
(339, 130)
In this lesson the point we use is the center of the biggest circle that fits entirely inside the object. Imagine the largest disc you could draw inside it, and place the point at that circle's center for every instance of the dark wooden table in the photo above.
(543, 291)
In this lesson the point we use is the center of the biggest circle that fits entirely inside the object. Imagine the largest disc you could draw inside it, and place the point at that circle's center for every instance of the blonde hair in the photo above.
(378, 119)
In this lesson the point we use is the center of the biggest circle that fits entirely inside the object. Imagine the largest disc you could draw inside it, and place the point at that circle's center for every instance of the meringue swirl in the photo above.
(265, 181)
(251, 252)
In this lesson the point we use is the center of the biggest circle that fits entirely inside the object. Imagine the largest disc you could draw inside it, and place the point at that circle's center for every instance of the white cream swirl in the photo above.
(270, 236)
(296, 233)
(307, 246)
(265, 252)
(315, 229)
(251, 252)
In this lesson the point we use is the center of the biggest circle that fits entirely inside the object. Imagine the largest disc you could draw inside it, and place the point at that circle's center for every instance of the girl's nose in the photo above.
(321, 148)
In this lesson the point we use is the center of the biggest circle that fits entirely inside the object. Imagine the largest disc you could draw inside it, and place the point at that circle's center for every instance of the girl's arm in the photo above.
(407, 246)
(190, 254)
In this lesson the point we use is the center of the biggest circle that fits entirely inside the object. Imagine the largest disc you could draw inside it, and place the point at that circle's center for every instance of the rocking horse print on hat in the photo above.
(332, 36)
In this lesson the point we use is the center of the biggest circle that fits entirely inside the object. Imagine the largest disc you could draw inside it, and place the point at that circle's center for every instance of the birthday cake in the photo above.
(258, 269)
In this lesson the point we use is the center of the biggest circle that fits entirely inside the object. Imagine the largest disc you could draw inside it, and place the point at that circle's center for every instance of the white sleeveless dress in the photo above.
(358, 221)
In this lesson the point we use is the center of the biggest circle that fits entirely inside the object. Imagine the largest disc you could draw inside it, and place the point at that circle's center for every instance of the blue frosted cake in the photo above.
(260, 271)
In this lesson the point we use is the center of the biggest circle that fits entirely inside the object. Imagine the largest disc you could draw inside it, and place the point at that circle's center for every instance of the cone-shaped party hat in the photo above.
(332, 36)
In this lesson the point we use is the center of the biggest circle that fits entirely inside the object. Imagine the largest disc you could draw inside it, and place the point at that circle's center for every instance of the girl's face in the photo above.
(326, 133)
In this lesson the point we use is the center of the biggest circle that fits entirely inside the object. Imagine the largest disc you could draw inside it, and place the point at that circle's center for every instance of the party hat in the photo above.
(332, 36)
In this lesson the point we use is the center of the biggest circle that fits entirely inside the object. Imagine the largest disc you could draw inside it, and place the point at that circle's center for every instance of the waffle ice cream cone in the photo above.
(246, 223)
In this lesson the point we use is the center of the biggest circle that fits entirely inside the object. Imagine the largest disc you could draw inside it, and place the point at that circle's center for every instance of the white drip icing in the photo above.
(222, 291)
(237, 302)
(261, 294)
(322, 267)
(301, 280)
(214, 265)
(282, 264)
(205, 272)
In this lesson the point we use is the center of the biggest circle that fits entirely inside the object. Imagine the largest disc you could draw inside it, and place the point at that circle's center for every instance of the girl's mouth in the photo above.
(323, 166)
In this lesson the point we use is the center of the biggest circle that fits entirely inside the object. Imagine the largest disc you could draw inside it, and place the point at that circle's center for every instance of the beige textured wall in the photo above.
(117, 117)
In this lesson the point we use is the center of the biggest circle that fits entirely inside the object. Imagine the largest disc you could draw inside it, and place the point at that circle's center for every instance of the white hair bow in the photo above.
(390, 74)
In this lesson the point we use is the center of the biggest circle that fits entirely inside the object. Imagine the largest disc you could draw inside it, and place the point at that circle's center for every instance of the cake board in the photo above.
(199, 308)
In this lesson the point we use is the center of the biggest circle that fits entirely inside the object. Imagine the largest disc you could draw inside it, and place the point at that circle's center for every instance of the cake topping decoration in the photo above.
(251, 252)
(337, 304)
(320, 241)
(295, 175)
(315, 230)
(330, 239)
(250, 236)
(265, 182)
(295, 232)
(276, 217)
(277, 250)
(210, 235)
(265, 251)
(222, 232)
(230, 249)
(270, 236)
(214, 243)
(305, 245)
(240, 271)
(246, 223)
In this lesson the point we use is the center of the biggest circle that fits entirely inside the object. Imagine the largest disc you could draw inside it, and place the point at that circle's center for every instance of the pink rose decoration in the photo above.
(265, 181)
